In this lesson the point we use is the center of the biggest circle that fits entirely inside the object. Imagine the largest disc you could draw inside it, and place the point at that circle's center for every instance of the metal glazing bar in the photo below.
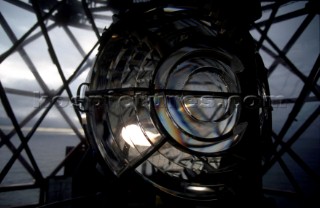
(284, 17)
(90, 17)
(268, 24)
(36, 36)
(273, 55)
(5, 140)
(88, 64)
(312, 174)
(17, 43)
(23, 54)
(66, 117)
(31, 66)
(74, 40)
(292, 100)
(34, 128)
(19, 92)
(268, 7)
(71, 124)
(52, 53)
(75, 74)
(26, 120)
(50, 46)
(285, 147)
(24, 140)
(292, 40)
(81, 67)
(36, 74)
(312, 79)
(58, 92)
(149, 91)
(269, 52)
(291, 178)
(302, 129)
(84, 26)
(28, 137)
(21, 4)
(292, 67)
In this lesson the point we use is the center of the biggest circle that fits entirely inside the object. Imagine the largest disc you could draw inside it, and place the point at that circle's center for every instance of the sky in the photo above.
(14, 73)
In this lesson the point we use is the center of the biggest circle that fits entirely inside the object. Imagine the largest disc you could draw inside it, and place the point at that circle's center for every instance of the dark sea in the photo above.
(48, 150)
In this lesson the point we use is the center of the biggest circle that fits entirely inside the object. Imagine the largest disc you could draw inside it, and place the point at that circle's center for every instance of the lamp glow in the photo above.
(133, 135)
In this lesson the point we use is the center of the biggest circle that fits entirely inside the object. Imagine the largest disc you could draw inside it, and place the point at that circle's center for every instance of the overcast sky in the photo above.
(14, 72)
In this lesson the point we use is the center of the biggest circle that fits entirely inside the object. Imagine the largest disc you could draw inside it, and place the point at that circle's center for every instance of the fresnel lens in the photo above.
(165, 99)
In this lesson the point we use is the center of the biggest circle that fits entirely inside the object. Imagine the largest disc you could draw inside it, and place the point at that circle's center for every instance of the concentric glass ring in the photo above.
(202, 119)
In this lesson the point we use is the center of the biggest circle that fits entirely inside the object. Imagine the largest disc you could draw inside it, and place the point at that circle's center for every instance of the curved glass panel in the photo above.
(201, 118)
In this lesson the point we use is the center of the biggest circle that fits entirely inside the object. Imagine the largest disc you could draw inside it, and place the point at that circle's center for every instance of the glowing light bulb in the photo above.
(133, 135)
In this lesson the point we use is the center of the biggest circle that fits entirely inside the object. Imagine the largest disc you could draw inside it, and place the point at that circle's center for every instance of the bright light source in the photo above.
(133, 135)
(199, 188)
